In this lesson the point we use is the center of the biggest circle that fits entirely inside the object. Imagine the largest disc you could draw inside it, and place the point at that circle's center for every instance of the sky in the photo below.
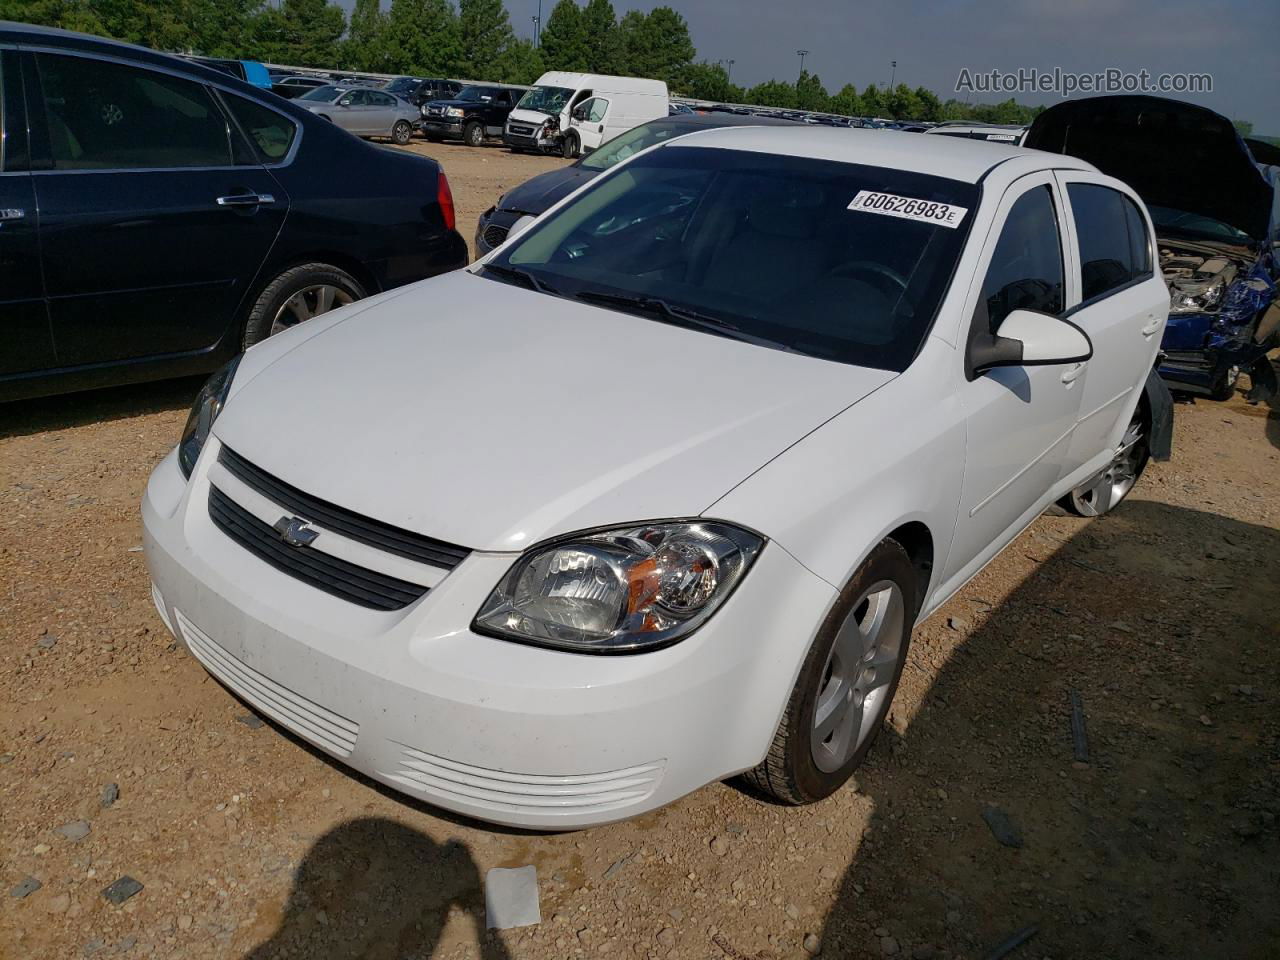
(1237, 42)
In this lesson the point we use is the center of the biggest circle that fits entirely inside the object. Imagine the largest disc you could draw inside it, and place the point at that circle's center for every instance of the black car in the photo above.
(295, 86)
(538, 194)
(156, 216)
(479, 111)
(420, 92)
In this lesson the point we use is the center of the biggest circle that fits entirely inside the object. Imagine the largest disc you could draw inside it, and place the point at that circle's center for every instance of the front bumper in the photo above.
(435, 127)
(522, 142)
(503, 732)
(492, 229)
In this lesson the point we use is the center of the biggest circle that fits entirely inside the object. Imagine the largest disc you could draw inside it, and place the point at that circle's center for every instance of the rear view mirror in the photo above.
(1025, 338)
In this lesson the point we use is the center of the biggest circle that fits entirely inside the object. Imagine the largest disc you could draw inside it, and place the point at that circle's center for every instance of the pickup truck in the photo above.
(478, 112)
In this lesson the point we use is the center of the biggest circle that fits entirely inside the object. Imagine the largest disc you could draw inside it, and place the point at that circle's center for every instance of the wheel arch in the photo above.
(917, 540)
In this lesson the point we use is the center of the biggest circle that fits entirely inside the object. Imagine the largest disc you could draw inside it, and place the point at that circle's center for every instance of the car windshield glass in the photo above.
(759, 247)
(632, 142)
(1169, 220)
(325, 93)
(549, 100)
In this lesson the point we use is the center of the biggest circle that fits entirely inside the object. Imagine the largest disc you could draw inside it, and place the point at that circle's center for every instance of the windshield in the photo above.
(1168, 219)
(549, 100)
(325, 93)
(632, 142)
(758, 247)
(475, 94)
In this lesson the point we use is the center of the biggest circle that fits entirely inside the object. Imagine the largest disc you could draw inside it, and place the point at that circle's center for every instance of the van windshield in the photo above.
(839, 261)
(548, 100)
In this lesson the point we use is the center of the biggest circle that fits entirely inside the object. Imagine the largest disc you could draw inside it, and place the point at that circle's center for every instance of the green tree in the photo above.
(810, 93)
(303, 33)
(520, 62)
(901, 103)
(774, 93)
(656, 45)
(600, 37)
(705, 81)
(930, 105)
(65, 14)
(485, 32)
(873, 101)
(564, 45)
(423, 37)
(1243, 127)
(847, 102)
(365, 47)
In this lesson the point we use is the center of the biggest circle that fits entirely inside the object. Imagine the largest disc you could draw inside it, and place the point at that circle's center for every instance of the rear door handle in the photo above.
(1070, 374)
(246, 200)
(12, 213)
(1152, 327)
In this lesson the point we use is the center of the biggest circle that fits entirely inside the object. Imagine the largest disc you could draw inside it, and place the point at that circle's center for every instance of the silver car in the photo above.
(364, 111)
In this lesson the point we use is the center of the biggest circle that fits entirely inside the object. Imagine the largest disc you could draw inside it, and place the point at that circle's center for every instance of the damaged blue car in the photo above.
(1216, 212)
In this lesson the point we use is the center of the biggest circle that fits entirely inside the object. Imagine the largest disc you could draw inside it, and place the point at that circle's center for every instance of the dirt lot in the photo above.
(120, 757)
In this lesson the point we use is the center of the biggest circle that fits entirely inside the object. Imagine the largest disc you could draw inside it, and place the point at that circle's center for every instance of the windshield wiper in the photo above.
(681, 315)
(530, 280)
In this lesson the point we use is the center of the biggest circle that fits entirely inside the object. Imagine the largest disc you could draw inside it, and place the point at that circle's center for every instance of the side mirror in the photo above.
(344, 102)
(520, 226)
(579, 113)
(1025, 338)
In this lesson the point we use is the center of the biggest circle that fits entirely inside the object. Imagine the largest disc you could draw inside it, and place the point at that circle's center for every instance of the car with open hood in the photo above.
(1215, 211)
(654, 494)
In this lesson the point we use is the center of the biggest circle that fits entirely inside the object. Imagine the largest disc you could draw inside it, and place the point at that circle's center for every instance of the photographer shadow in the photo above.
(375, 889)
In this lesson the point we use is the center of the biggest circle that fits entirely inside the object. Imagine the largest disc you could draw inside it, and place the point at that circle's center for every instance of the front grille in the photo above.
(308, 719)
(321, 513)
(521, 131)
(321, 570)
(494, 234)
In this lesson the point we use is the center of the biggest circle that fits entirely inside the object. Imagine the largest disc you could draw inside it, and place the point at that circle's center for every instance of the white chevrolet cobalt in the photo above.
(654, 494)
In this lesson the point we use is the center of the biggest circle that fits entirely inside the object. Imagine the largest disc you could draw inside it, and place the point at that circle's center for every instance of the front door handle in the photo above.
(12, 213)
(1070, 374)
(1152, 327)
(246, 200)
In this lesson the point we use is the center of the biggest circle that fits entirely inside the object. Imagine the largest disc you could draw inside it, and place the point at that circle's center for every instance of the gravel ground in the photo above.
(146, 812)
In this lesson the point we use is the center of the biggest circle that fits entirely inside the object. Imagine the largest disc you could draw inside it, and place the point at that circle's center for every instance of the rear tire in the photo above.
(850, 674)
(297, 295)
(402, 132)
(1105, 491)
(473, 134)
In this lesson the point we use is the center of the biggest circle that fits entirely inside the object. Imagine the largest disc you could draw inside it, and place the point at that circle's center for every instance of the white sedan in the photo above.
(653, 494)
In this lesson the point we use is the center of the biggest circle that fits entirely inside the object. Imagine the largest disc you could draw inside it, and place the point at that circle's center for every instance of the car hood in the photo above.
(1174, 154)
(491, 416)
(546, 189)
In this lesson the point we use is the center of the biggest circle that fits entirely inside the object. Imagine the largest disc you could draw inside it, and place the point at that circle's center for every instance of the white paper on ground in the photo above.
(511, 897)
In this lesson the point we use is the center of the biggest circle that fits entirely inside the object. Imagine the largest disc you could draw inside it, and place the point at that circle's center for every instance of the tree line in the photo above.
(474, 39)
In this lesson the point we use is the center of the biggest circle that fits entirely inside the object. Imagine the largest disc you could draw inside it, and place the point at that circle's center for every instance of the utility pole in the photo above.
(802, 54)
(537, 26)
(728, 74)
(893, 72)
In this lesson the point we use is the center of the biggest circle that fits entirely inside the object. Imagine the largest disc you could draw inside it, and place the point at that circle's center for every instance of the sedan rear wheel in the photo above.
(846, 684)
(1103, 492)
(402, 132)
(297, 295)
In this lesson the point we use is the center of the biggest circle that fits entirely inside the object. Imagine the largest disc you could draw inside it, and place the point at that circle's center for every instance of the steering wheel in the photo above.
(854, 267)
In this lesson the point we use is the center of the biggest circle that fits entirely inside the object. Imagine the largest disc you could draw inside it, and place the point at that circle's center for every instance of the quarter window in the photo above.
(1114, 246)
(1026, 268)
(104, 116)
(270, 134)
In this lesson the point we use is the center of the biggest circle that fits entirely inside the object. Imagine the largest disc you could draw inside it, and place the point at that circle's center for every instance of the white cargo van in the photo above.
(573, 113)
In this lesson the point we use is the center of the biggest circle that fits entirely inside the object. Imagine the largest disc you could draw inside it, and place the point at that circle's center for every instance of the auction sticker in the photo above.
(909, 208)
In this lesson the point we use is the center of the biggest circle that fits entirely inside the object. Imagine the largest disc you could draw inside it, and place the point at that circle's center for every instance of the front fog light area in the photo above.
(620, 591)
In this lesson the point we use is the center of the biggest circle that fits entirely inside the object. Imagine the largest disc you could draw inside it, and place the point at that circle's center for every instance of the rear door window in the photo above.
(109, 116)
(1114, 247)
(1026, 268)
(270, 134)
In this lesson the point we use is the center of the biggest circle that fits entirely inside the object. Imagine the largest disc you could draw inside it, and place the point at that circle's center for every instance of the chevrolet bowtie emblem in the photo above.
(295, 532)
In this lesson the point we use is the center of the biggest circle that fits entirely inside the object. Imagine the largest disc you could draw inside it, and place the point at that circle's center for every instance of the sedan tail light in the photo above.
(444, 197)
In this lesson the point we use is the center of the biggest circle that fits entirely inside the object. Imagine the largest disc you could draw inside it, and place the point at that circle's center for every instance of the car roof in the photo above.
(951, 157)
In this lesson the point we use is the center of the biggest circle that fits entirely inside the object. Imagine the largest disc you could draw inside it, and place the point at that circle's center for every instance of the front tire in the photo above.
(298, 295)
(846, 683)
(1103, 492)
(570, 146)
(473, 135)
(402, 132)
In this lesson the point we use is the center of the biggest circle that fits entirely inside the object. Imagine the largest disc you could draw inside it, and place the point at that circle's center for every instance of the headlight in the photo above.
(208, 404)
(1193, 300)
(453, 112)
(619, 591)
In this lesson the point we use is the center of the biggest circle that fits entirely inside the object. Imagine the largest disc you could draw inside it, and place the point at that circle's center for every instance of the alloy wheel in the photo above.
(1108, 488)
(307, 303)
(854, 690)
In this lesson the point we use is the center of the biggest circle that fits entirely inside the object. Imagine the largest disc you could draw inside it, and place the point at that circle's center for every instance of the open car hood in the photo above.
(1174, 154)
